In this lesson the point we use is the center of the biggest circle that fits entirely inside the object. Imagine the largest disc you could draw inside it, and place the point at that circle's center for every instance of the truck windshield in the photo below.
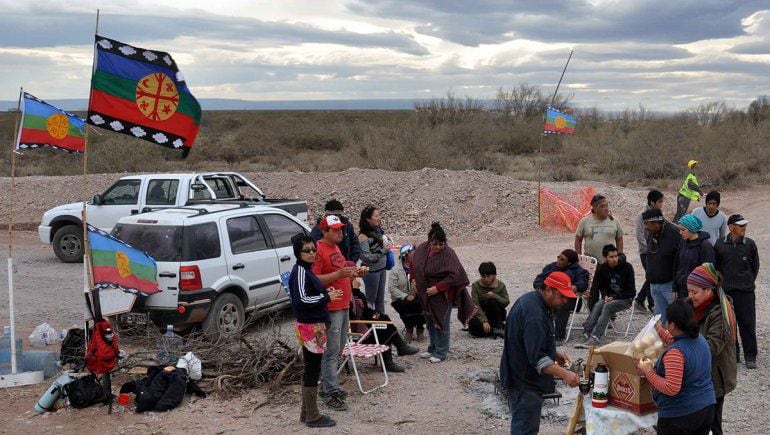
(163, 243)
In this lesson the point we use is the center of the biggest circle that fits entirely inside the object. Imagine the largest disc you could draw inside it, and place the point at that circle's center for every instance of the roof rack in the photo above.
(202, 211)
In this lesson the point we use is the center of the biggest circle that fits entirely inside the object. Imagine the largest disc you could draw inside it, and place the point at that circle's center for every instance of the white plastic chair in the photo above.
(356, 349)
(588, 263)
(630, 323)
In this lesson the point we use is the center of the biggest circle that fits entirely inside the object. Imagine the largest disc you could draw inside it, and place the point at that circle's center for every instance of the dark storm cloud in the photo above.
(474, 23)
(57, 28)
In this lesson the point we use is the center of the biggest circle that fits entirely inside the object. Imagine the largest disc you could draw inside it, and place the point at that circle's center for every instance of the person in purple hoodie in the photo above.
(694, 250)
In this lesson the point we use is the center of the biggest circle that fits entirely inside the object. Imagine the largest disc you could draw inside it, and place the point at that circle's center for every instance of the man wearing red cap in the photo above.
(530, 361)
(334, 271)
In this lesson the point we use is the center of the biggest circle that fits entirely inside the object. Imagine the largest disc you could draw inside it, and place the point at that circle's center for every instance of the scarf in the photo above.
(728, 314)
(378, 236)
(701, 311)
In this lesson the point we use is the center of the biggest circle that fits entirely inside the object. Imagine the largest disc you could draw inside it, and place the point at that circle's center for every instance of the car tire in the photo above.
(68, 244)
(225, 318)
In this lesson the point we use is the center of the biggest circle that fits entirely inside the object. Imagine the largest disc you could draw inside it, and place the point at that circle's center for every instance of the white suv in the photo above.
(215, 262)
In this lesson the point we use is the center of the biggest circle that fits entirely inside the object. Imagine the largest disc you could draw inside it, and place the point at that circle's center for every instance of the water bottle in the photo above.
(5, 352)
(46, 361)
(169, 346)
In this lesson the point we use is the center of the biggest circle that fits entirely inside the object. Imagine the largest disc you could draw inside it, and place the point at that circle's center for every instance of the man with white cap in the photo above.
(530, 360)
(738, 261)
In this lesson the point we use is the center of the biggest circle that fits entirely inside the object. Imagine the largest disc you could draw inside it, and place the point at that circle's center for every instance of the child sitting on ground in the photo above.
(490, 298)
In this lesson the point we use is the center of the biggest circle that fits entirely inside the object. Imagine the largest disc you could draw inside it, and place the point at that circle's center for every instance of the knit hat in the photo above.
(704, 276)
(405, 250)
(571, 255)
(691, 223)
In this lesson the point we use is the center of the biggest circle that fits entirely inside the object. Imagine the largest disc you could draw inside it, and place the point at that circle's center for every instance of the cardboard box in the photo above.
(628, 390)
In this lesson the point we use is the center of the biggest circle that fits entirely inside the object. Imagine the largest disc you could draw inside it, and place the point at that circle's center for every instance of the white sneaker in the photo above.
(433, 359)
(426, 355)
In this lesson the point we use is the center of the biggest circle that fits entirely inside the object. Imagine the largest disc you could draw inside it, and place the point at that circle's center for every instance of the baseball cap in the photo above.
(331, 221)
(561, 282)
(737, 219)
(652, 215)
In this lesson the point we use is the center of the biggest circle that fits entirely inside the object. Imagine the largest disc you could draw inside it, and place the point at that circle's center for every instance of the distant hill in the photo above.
(77, 105)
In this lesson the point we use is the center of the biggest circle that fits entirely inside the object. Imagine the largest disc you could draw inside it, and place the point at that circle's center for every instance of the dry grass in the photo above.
(631, 147)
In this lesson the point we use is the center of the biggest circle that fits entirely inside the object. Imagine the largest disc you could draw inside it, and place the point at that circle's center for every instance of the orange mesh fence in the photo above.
(564, 211)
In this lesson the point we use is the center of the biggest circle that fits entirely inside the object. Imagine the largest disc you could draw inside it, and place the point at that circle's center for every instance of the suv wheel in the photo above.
(68, 244)
(226, 316)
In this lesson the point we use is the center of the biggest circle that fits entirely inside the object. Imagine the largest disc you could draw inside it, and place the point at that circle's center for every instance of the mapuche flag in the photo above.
(44, 125)
(141, 93)
(558, 122)
(118, 265)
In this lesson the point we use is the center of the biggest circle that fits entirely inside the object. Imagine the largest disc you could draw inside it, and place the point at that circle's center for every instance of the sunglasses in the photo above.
(308, 250)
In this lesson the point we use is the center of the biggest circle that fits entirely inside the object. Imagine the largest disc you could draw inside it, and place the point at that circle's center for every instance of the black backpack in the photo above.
(73, 348)
(85, 391)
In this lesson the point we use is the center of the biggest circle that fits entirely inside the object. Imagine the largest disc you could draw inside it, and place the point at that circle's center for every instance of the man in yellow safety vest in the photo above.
(690, 191)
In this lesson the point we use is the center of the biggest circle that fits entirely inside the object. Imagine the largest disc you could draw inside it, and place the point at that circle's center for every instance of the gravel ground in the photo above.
(452, 397)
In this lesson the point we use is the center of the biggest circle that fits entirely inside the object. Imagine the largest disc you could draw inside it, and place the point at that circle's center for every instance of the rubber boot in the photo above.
(420, 334)
(390, 365)
(402, 347)
(313, 418)
(409, 335)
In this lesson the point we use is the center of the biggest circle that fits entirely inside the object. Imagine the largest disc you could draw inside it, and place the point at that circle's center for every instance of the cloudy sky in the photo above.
(664, 54)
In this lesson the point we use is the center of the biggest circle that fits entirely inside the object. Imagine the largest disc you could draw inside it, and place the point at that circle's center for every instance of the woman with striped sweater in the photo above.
(681, 378)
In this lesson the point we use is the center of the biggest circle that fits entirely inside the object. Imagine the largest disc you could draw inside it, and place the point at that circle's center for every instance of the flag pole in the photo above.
(11, 313)
(88, 282)
(553, 99)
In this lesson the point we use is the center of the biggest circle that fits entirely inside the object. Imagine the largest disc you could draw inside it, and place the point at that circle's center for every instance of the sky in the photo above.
(665, 55)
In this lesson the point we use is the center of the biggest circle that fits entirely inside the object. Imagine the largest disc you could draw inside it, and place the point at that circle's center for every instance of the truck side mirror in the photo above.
(97, 200)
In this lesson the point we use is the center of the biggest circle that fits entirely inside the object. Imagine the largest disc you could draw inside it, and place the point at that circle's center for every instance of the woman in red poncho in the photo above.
(441, 283)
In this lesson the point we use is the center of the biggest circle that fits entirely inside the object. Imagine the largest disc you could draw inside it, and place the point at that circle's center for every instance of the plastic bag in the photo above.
(646, 344)
(43, 335)
(192, 364)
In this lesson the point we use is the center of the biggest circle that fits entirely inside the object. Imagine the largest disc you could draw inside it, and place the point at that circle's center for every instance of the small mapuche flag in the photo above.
(118, 265)
(44, 125)
(558, 122)
(142, 93)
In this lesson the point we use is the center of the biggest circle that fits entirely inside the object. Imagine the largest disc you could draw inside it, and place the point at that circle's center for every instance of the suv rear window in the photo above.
(245, 235)
(172, 243)
(163, 243)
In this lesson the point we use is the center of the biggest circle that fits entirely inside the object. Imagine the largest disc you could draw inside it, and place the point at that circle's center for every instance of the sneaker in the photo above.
(593, 341)
(426, 355)
(435, 360)
(336, 403)
(751, 364)
(639, 307)
(324, 421)
(339, 393)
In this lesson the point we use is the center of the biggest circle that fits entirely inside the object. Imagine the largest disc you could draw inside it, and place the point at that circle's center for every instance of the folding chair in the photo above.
(615, 332)
(588, 263)
(355, 348)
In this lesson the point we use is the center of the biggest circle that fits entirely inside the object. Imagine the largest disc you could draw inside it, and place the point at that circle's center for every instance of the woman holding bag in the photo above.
(308, 301)
(375, 248)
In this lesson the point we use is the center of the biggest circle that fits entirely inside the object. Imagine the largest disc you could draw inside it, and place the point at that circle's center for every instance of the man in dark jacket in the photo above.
(738, 261)
(694, 250)
(349, 245)
(662, 245)
(566, 262)
(530, 360)
(614, 281)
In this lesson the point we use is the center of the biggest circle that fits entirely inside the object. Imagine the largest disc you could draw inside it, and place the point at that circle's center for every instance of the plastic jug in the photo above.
(46, 361)
(51, 395)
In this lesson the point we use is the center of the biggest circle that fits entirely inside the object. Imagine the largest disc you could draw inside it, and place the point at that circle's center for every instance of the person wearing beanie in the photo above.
(349, 245)
(714, 220)
(716, 321)
(738, 261)
(694, 250)
(690, 191)
(654, 201)
(567, 262)
(662, 247)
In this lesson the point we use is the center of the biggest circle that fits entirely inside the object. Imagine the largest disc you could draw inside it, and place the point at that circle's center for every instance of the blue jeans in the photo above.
(375, 285)
(336, 338)
(439, 340)
(601, 313)
(525, 407)
(662, 294)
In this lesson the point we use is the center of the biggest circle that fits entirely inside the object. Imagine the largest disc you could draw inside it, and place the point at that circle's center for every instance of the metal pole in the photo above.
(11, 314)
(560, 78)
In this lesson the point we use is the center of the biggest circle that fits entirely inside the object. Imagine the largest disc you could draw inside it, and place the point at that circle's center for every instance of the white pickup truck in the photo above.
(62, 226)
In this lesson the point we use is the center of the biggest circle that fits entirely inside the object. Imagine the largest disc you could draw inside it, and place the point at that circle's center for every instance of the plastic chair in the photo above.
(355, 348)
(588, 263)
(628, 331)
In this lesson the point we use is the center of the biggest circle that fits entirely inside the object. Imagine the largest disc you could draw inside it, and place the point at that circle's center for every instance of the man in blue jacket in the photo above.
(566, 262)
(530, 360)
(349, 245)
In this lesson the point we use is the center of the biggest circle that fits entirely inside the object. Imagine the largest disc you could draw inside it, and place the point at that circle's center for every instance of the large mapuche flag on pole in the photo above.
(558, 122)
(44, 125)
(141, 93)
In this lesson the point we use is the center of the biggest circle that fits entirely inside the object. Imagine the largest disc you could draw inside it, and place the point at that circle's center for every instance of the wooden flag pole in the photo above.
(86, 245)
(14, 144)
